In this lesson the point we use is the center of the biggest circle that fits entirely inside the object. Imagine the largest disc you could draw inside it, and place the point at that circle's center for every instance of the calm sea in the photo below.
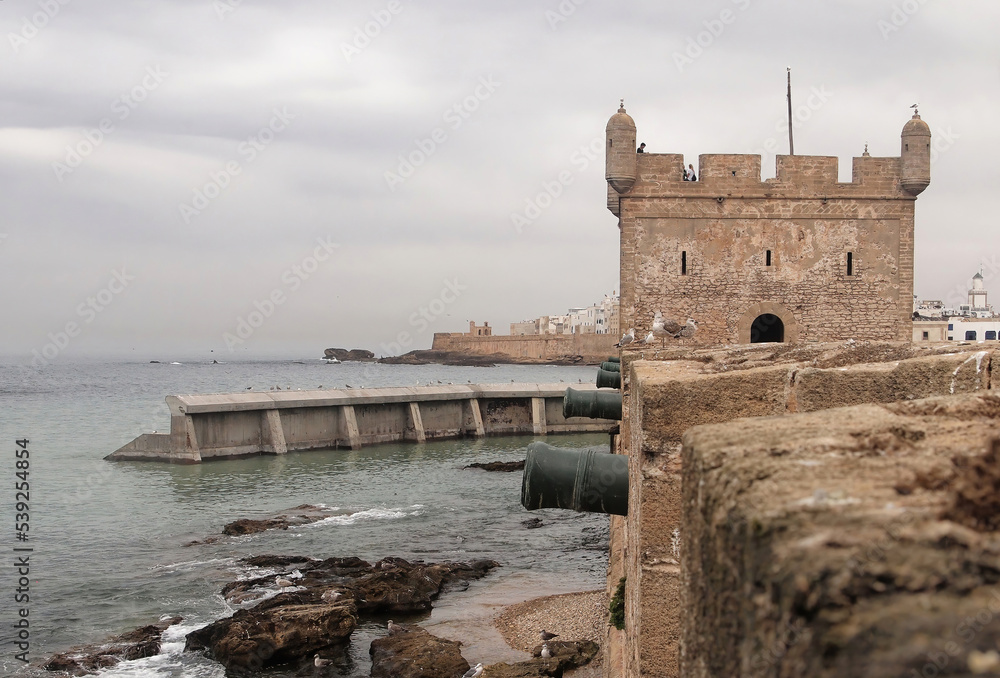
(109, 539)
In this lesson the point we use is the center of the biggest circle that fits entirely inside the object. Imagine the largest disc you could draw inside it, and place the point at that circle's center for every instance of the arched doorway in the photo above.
(767, 328)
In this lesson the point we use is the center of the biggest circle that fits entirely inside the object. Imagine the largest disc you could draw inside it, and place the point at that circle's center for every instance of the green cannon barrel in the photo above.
(614, 359)
(607, 379)
(592, 404)
(611, 367)
(582, 480)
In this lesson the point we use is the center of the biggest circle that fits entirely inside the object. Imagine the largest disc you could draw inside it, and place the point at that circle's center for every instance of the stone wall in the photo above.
(700, 249)
(859, 541)
(668, 392)
(593, 347)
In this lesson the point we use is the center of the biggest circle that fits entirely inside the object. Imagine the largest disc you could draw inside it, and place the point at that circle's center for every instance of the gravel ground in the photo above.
(574, 616)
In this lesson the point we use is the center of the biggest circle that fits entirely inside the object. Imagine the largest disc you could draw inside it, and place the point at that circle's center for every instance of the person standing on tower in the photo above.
(641, 149)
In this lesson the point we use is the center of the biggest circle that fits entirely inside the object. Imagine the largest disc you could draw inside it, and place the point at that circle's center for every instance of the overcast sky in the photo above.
(175, 172)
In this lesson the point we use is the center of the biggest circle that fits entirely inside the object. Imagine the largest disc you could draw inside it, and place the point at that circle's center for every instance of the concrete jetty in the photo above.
(242, 424)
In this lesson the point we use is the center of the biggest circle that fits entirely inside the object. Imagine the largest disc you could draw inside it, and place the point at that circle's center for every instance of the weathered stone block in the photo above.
(676, 395)
(832, 543)
(817, 389)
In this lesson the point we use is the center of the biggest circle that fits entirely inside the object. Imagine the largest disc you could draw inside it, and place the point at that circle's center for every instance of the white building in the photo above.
(961, 328)
(601, 318)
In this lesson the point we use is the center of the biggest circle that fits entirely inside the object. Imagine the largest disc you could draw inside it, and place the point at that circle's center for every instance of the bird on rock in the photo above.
(394, 627)
(331, 595)
(688, 330)
(319, 662)
(546, 652)
(627, 338)
(664, 328)
(283, 583)
(474, 672)
(548, 636)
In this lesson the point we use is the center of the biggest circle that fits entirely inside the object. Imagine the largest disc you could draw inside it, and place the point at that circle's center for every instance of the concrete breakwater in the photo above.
(241, 424)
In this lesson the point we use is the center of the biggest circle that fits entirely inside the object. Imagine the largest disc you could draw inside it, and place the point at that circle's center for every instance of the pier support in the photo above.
(538, 416)
(477, 417)
(417, 422)
(184, 440)
(273, 433)
(351, 424)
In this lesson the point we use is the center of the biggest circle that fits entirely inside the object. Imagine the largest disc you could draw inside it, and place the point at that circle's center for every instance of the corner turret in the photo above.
(916, 155)
(620, 160)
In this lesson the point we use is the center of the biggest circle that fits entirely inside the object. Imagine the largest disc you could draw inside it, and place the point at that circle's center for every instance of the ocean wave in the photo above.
(188, 565)
(368, 515)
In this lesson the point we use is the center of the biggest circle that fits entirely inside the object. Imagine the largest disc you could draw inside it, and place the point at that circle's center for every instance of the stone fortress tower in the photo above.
(800, 257)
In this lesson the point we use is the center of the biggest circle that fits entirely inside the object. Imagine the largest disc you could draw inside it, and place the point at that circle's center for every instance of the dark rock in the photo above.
(292, 626)
(532, 523)
(286, 628)
(415, 653)
(533, 668)
(571, 654)
(395, 585)
(499, 465)
(344, 355)
(277, 561)
(303, 515)
(88, 659)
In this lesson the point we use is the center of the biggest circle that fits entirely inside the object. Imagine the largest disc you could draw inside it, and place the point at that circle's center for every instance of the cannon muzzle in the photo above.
(611, 367)
(607, 379)
(592, 404)
(614, 359)
(582, 480)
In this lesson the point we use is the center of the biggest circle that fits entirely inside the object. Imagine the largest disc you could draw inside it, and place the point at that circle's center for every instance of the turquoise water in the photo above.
(109, 539)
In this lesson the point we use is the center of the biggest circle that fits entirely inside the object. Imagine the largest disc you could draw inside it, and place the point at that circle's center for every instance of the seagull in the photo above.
(548, 636)
(394, 627)
(663, 328)
(650, 338)
(474, 672)
(627, 338)
(546, 652)
(689, 329)
(319, 662)
(332, 595)
(282, 582)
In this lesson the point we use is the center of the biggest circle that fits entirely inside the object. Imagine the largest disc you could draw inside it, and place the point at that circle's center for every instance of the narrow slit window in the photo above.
(767, 258)
(684, 263)
(850, 263)
(611, 143)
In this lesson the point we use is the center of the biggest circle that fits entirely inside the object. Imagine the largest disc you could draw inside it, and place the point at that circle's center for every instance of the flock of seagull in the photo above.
(661, 330)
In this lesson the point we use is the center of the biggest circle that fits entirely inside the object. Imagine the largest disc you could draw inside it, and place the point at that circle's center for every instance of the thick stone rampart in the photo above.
(594, 348)
(857, 541)
(667, 392)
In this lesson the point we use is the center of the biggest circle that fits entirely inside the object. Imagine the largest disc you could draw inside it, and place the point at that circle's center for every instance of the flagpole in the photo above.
(791, 144)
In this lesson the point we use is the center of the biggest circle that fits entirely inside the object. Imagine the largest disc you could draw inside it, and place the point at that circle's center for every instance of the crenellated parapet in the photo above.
(835, 258)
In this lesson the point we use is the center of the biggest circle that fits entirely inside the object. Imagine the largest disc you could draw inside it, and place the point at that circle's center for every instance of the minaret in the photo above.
(619, 159)
(977, 295)
(916, 154)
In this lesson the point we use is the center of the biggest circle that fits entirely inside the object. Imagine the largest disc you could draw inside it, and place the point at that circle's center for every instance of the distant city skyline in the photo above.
(238, 179)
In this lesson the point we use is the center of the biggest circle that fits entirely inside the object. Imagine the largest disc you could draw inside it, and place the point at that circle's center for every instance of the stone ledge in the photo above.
(817, 544)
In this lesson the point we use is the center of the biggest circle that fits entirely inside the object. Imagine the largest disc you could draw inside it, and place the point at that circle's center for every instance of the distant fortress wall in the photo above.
(593, 347)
